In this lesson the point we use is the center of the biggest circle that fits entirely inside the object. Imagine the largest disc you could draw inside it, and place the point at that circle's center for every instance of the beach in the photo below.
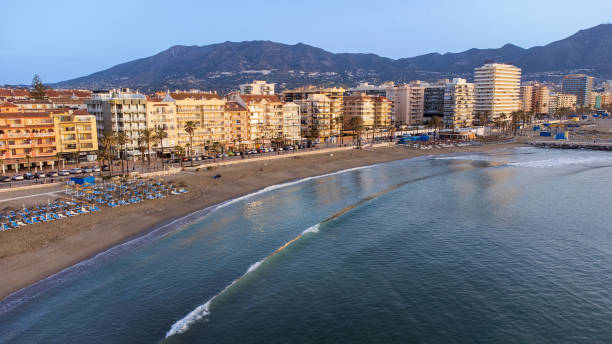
(38, 251)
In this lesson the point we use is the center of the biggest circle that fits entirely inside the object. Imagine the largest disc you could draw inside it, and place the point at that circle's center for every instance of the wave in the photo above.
(564, 161)
(203, 310)
(34, 290)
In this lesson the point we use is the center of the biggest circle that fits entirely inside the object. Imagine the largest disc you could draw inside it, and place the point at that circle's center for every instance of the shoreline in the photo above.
(78, 240)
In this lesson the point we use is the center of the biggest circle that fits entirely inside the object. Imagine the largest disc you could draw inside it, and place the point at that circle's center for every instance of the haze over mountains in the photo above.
(223, 66)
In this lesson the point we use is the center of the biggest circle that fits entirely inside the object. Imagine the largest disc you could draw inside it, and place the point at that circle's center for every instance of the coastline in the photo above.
(43, 250)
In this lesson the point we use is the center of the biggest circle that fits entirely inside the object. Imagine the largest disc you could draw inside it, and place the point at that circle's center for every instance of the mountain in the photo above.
(223, 66)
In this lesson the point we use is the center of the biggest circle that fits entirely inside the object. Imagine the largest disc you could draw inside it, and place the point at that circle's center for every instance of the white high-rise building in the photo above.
(458, 104)
(258, 87)
(496, 89)
(408, 104)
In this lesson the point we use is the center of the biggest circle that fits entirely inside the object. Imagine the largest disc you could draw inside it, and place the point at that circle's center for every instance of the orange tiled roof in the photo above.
(24, 115)
(233, 106)
(248, 98)
(194, 95)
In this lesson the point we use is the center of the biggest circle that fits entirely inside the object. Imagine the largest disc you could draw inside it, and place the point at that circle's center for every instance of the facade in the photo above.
(238, 120)
(408, 104)
(291, 123)
(579, 85)
(317, 119)
(535, 98)
(433, 101)
(27, 136)
(207, 112)
(458, 104)
(334, 95)
(258, 87)
(526, 97)
(382, 112)
(359, 106)
(8, 107)
(120, 111)
(370, 90)
(265, 117)
(161, 113)
(75, 131)
(558, 101)
(497, 89)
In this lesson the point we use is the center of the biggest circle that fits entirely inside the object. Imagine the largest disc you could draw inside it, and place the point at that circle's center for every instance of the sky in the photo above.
(64, 39)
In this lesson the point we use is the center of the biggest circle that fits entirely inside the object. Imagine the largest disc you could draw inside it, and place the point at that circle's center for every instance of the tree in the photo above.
(146, 137)
(180, 151)
(2, 163)
(189, 128)
(39, 90)
(75, 156)
(100, 158)
(159, 135)
(355, 124)
(122, 140)
(436, 123)
(108, 141)
(58, 156)
(28, 158)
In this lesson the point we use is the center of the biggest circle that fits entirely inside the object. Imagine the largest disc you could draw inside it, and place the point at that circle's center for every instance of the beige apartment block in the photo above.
(526, 97)
(558, 101)
(458, 104)
(359, 106)
(265, 117)
(258, 87)
(75, 131)
(237, 117)
(161, 113)
(382, 112)
(207, 112)
(334, 96)
(409, 104)
(318, 122)
(497, 90)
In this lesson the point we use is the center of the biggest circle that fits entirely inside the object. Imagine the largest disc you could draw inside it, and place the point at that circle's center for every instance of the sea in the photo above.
(509, 246)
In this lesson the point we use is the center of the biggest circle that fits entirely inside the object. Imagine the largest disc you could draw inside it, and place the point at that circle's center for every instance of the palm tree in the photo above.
(355, 124)
(2, 163)
(108, 141)
(180, 151)
(146, 137)
(159, 135)
(100, 158)
(122, 140)
(189, 128)
(28, 157)
(142, 149)
(58, 156)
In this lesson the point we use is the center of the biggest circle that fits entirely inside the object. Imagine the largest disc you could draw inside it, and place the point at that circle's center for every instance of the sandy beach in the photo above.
(37, 251)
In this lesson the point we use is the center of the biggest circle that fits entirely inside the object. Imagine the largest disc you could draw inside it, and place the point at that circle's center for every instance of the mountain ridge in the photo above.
(222, 66)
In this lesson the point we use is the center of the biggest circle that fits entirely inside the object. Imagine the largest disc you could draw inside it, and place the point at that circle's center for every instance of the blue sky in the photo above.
(64, 39)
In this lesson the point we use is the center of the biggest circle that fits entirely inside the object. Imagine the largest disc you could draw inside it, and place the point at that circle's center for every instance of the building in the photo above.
(334, 95)
(497, 90)
(207, 112)
(534, 98)
(317, 120)
(458, 104)
(291, 123)
(8, 107)
(75, 131)
(382, 112)
(120, 111)
(161, 113)
(559, 101)
(433, 101)
(265, 114)
(237, 119)
(27, 139)
(29, 105)
(408, 104)
(258, 87)
(360, 107)
(370, 90)
(579, 85)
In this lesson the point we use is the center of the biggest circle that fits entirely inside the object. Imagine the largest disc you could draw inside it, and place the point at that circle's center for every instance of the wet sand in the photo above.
(37, 251)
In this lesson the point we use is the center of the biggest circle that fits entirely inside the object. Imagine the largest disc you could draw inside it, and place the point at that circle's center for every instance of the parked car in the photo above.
(41, 175)
(105, 168)
(5, 179)
(18, 177)
(76, 171)
(96, 169)
(28, 176)
(87, 169)
(52, 174)
(64, 173)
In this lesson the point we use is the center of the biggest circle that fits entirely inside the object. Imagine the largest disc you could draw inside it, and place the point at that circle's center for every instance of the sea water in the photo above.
(512, 246)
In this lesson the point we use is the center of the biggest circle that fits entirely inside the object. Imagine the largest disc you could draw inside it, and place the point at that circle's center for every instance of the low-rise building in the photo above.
(27, 139)
(75, 131)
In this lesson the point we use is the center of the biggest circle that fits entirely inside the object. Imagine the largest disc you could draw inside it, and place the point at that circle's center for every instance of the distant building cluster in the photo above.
(34, 131)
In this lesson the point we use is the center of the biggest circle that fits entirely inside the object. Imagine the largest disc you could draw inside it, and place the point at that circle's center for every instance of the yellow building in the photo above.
(161, 113)
(265, 114)
(331, 125)
(383, 108)
(207, 111)
(359, 106)
(75, 131)
(238, 119)
(291, 123)
(317, 119)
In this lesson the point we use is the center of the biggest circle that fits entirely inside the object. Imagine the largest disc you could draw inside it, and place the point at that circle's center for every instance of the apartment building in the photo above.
(27, 137)
(8, 107)
(258, 87)
(382, 112)
(334, 96)
(497, 89)
(526, 98)
(370, 90)
(265, 117)
(458, 104)
(161, 113)
(408, 104)
(120, 111)
(580, 85)
(433, 100)
(534, 98)
(291, 123)
(75, 131)
(318, 121)
(558, 101)
(207, 112)
(237, 118)
(359, 106)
